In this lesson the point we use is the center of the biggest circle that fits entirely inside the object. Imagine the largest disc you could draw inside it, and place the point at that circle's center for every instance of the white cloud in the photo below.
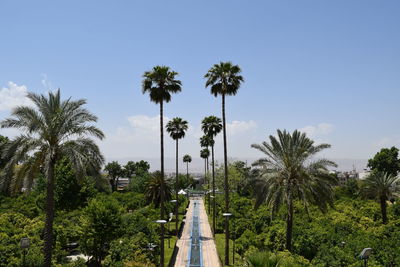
(46, 82)
(317, 130)
(141, 138)
(13, 96)
(239, 127)
(146, 124)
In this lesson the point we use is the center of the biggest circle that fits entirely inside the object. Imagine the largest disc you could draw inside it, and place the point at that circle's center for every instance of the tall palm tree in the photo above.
(204, 154)
(153, 189)
(160, 83)
(289, 171)
(224, 79)
(177, 128)
(212, 126)
(382, 186)
(187, 159)
(52, 130)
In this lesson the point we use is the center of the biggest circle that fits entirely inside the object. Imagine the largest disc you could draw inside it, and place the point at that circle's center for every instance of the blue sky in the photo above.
(330, 68)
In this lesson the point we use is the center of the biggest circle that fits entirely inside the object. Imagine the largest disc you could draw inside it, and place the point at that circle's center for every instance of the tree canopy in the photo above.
(386, 161)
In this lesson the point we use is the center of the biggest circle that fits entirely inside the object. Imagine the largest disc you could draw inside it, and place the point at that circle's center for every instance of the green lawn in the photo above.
(220, 243)
(169, 250)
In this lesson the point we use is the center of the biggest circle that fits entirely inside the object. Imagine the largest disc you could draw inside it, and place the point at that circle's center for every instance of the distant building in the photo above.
(344, 177)
(123, 183)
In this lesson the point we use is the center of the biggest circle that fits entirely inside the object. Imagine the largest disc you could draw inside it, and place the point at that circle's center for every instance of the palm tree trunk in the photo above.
(209, 187)
(176, 191)
(205, 170)
(48, 230)
(289, 223)
(383, 209)
(226, 185)
(162, 184)
(213, 186)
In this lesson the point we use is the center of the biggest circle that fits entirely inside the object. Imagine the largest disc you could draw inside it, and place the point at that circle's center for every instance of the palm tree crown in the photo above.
(204, 153)
(288, 171)
(211, 126)
(206, 141)
(187, 158)
(224, 79)
(160, 83)
(177, 128)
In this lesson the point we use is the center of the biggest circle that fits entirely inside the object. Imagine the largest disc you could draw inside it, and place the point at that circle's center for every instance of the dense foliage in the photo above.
(114, 228)
(335, 238)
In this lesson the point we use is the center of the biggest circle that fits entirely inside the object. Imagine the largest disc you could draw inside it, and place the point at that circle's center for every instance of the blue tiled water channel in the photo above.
(196, 259)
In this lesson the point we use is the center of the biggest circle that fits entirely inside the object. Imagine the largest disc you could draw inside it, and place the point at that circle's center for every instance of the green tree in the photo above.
(157, 187)
(224, 79)
(142, 167)
(129, 170)
(187, 159)
(114, 171)
(386, 161)
(288, 172)
(67, 188)
(54, 129)
(160, 83)
(177, 128)
(381, 186)
(185, 181)
(101, 224)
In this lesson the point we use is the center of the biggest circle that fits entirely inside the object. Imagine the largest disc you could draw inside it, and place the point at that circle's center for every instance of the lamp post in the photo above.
(25, 243)
(162, 222)
(169, 222)
(175, 201)
(227, 215)
(364, 255)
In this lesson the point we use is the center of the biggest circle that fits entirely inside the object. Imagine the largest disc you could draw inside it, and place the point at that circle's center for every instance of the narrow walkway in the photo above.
(208, 248)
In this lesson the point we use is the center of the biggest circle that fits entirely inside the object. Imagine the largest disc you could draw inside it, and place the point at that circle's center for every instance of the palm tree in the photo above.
(187, 159)
(53, 130)
(264, 259)
(382, 186)
(224, 79)
(177, 128)
(153, 189)
(288, 172)
(212, 126)
(204, 154)
(160, 83)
